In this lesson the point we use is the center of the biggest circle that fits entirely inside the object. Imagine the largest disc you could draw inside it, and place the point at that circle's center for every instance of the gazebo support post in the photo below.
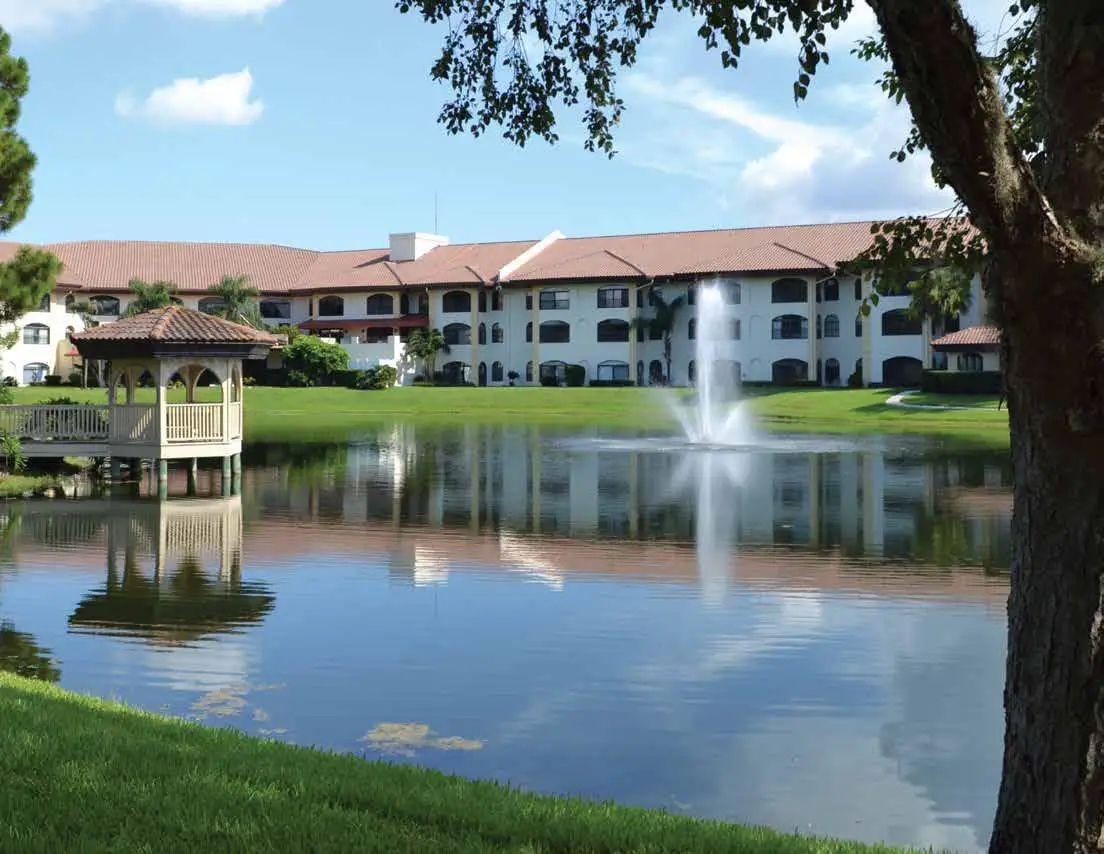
(193, 476)
(235, 464)
(227, 468)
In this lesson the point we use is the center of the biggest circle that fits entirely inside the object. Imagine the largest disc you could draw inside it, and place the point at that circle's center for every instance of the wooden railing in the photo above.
(194, 422)
(134, 423)
(55, 423)
(235, 420)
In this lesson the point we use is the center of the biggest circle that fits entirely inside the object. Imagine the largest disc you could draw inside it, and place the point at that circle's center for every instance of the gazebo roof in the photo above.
(174, 330)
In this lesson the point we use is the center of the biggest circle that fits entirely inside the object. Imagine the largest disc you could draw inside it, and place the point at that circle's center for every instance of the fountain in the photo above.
(717, 416)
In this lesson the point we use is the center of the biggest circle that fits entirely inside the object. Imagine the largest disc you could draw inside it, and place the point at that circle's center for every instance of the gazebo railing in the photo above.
(235, 420)
(134, 422)
(56, 423)
(194, 422)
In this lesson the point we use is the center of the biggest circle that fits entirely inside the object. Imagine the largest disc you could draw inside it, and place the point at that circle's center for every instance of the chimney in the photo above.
(412, 245)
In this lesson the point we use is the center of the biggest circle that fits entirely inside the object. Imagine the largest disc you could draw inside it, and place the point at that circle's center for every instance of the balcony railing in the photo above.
(194, 422)
(55, 423)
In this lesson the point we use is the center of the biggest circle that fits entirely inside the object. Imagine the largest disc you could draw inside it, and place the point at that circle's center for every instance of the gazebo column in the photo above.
(163, 374)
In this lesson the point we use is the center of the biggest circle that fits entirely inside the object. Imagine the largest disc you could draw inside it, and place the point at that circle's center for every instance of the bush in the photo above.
(549, 382)
(249, 381)
(575, 376)
(316, 359)
(76, 378)
(298, 379)
(855, 380)
(9, 382)
(349, 378)
(53, 380)
(513, 377)
(379, 377)
(612, 383)
(962, 382)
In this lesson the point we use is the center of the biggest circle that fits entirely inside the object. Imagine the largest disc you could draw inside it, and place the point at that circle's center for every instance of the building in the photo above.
(528, 307)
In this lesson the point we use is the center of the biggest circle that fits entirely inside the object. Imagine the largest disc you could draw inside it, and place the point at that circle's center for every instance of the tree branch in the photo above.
(956, 103)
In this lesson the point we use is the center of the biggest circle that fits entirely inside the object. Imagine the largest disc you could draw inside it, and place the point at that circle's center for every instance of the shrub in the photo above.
(6, 395)
(249, 381)
(549, 382)
(349, 378)
(379, 377)
(53, 380)
(76, 378)
(612, 383)
(319, 360)
(962, 382)
(855, 380)
(11, 452)
(298, 379)
(9, 382)
(575, 376)
(513, 377)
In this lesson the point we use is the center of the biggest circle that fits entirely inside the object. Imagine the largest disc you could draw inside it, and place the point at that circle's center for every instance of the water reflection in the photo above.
(802, 640)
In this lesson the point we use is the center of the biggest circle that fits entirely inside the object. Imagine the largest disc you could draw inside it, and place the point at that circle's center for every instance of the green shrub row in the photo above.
(962, 382)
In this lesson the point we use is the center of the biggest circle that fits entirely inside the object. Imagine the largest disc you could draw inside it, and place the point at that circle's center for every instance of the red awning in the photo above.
(411, 321)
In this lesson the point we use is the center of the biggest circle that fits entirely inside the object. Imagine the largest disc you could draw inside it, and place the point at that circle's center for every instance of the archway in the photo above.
(901, 371)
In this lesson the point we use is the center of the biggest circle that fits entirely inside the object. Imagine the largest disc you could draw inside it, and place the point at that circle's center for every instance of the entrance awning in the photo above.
(411, 321)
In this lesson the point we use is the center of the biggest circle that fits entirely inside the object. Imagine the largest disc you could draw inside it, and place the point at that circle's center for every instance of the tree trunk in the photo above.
(1052, 788)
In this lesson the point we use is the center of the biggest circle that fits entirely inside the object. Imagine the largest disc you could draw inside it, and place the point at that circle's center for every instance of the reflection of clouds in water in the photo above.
(201, 667)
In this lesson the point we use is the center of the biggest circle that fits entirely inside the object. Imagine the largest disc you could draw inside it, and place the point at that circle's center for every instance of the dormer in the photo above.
(412, 245)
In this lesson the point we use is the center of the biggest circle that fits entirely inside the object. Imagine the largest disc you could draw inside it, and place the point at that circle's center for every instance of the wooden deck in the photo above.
(126, 430)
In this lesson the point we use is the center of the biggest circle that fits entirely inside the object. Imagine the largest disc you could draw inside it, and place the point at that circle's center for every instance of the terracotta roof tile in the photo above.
(175, 325)
(971, 336)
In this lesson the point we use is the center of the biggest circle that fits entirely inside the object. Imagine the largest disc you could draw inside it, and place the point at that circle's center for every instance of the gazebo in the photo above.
(158, 348)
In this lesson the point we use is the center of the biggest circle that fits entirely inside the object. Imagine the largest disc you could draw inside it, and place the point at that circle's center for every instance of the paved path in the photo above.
(899, 400)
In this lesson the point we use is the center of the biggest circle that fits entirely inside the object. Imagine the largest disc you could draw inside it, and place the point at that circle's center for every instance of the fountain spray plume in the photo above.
(717, 416)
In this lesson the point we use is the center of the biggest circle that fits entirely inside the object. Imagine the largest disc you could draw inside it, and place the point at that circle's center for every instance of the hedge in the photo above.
(962, 382)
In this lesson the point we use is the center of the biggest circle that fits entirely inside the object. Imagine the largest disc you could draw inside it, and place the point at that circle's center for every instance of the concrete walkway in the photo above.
(899, 401)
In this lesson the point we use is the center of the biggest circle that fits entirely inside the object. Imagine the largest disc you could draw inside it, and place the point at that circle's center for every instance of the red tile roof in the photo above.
(971, 336)
(175, 325)
(104, 265)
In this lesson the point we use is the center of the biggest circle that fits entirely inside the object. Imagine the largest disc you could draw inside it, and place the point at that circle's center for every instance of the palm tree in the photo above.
(240, 301)
(425, 345)
(662, 322)
(941, 292)
(149, 296)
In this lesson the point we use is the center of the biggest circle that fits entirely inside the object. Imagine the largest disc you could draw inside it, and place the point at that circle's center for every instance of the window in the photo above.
(497, 336)
(483, 308)
(379, 304)
(529, 301)
(789, 290)
(732, 293)
(555, 332)
(818, 291)
(971, 362)
(831, 326)
(692, 329)
(70, 301)
(496, 300)
(105, 306)
(789, 327)
(482, 374)
(819, 328)
(456, 373)
(554, 370)
(832, 371)
(528, 372)
(858, 289)
(276, 309)
(831, 290)
(35, 373)
(457, 334)
(375, 336)
(858, 326)
(331, 307)
(692, 372)
(613, 330)
(496, 372)
(482, 333)
(789, 371)
(655, 371)
(735, 331)
(211, 305)
(613, 298)
(44, 303)
(640, 298)
(609, 371)
(36, 333)
(692, 295)
(456, 302)
(640, 372)
(655, 333)
(529, 332)
(900, 322)
(555, 300)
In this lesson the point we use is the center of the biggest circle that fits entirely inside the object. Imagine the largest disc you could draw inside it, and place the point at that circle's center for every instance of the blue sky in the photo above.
(313, 123)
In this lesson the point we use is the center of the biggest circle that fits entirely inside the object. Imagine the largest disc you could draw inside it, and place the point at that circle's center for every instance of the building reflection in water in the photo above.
(519, 500)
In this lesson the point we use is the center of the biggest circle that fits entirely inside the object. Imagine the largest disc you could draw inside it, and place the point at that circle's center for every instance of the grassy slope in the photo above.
(82, 775)
(331, 413)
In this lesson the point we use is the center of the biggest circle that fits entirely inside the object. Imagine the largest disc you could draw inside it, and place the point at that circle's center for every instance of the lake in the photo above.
(810, 636)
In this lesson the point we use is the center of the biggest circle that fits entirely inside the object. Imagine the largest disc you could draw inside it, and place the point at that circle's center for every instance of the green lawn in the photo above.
(332, 413)
(973, 401)
(82, 775)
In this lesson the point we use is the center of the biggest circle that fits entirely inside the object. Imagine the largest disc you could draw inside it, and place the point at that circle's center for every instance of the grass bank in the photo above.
(83, 775)
(18, 485)
(275, 414)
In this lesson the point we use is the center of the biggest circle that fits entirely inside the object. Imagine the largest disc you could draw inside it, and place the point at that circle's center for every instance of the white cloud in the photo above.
(799, 171)
(219, 8)
(40, 16)
(221, 100)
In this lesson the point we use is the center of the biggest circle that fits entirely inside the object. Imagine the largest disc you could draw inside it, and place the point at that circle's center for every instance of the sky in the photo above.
(313, 123)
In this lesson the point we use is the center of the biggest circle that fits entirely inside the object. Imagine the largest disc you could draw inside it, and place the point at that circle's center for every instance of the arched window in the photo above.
(655, 371)
(105, 306)
(858, 326)
(496, 371)
(212, 305)
(331, 307)
(831, 326)
(457, 334)
(734, 331)
(612, 331)
(456, 302)
(553, 370)
(529, 332)
(902, 371)
(44, 303)
(858, 289)
(692, 295)
(692, 372)
(276, 309)
(378, 304)
(482, 333)
(640, 372)
(496, 300)
(36, 333)
(555, 332)
(789, 371)
(497, 335)
(832, 371)
(972, 362)
(611, 370)
(613, 298)
(831, 291)
(35, 372)
(456, 373)
(528, 372)
(789, 290)
(790, 327)
(901, 322)
(692, 328)
(482, 304)
(819, 327)
(482, 374)
(732, 293)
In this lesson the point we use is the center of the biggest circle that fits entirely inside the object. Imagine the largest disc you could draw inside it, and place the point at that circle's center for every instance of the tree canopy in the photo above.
(149, 296)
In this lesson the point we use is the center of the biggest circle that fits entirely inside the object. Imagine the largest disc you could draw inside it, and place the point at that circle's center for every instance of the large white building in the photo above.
(529, 307)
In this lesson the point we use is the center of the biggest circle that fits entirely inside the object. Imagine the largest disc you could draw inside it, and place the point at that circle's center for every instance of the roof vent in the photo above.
(412, 245)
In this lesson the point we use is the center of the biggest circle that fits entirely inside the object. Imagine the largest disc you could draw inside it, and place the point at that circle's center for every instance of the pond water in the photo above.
(809, 636)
